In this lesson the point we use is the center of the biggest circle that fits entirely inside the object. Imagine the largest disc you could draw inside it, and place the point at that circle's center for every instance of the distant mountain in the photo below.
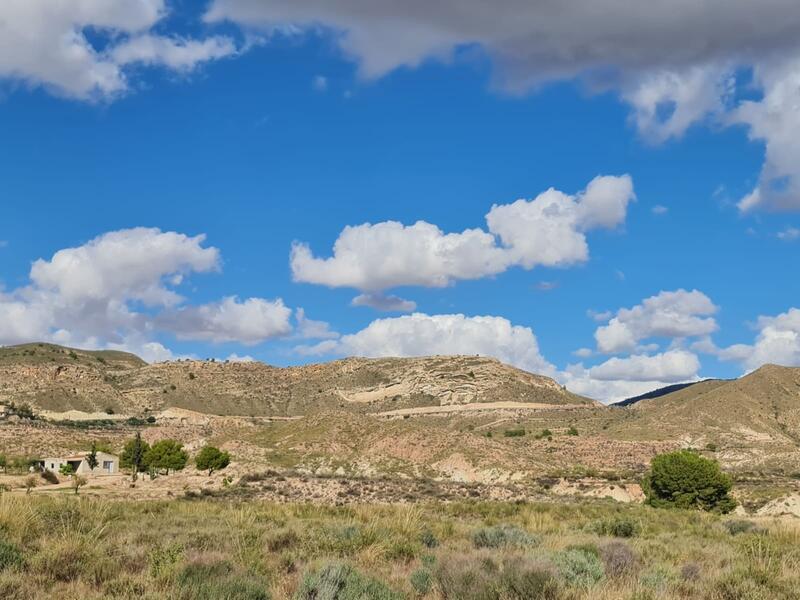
(660, 392)
(754, 419)
(54, 378)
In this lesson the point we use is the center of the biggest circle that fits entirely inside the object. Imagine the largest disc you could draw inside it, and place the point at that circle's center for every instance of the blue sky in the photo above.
(262, 131)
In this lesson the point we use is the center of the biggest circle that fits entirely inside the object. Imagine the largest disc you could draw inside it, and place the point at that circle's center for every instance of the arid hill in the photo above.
(754, 419)
(54, 378)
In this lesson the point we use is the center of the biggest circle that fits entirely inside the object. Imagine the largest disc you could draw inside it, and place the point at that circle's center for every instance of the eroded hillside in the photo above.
(60, 379)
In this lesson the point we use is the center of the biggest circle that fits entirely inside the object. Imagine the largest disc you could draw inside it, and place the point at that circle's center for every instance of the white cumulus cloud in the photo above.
(777, 341)
(677, 314)
(548, 230)
(92, 296)
(620, 378)
(45, 43)
(249, 322)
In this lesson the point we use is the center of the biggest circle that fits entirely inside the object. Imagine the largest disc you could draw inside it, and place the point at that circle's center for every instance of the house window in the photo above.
(108, 465)
(52, 466)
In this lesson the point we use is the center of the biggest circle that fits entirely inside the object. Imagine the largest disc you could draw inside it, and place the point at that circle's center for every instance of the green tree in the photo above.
(684, 479)
(212, 459)
(66, 470)
(167, 455)
(91, 458)
(133, 456)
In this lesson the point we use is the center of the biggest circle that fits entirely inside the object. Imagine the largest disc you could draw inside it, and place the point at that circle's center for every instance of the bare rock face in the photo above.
(60, 379)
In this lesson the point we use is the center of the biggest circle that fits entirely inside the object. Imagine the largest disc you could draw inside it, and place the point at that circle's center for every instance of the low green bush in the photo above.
(422, 581)
(10, 555)
(218, 580)
(617, 527)
(503, 536)
(579, 568)
(480, 577)
(514, 432)
(737, 526)
(340, 581)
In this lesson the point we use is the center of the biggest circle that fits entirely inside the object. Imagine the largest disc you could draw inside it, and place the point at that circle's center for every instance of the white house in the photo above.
(107, 464)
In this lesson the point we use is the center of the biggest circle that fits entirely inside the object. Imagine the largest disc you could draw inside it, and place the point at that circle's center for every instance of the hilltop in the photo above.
(54, 378)
(753, 419)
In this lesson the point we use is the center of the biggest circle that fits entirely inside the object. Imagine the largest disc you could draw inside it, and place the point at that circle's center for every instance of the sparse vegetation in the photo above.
(210, 549)
(514, 432)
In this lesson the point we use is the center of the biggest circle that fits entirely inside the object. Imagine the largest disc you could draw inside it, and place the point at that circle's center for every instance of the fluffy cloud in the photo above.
(131, 263)
(92, 296)
(669, 367)
(249, 322)
(777, 341)
(621, 378)
(424, 335)
(677, 314)
(43, 42)
(384, 302)
(667, 102)
(548, 230)
(774, 119)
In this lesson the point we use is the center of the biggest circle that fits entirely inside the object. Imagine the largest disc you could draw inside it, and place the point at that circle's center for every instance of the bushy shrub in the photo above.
(428, 539)
(752, 584)
(339, 581)
(618, 559)
(215, 580)
(618, 527)
(281, 539)
(514, 432)
(684, 479)
(163, 560)
(737, 526)
(421, 580)
(480, 577)
(503, 535)
(10, 555)
(579, 568)
(656, 579)
(524, 579)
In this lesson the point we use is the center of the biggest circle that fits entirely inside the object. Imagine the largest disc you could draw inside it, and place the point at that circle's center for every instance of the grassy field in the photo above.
(83, 548)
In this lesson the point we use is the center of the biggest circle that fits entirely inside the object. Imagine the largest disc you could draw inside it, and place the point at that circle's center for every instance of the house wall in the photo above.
(107, 464)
